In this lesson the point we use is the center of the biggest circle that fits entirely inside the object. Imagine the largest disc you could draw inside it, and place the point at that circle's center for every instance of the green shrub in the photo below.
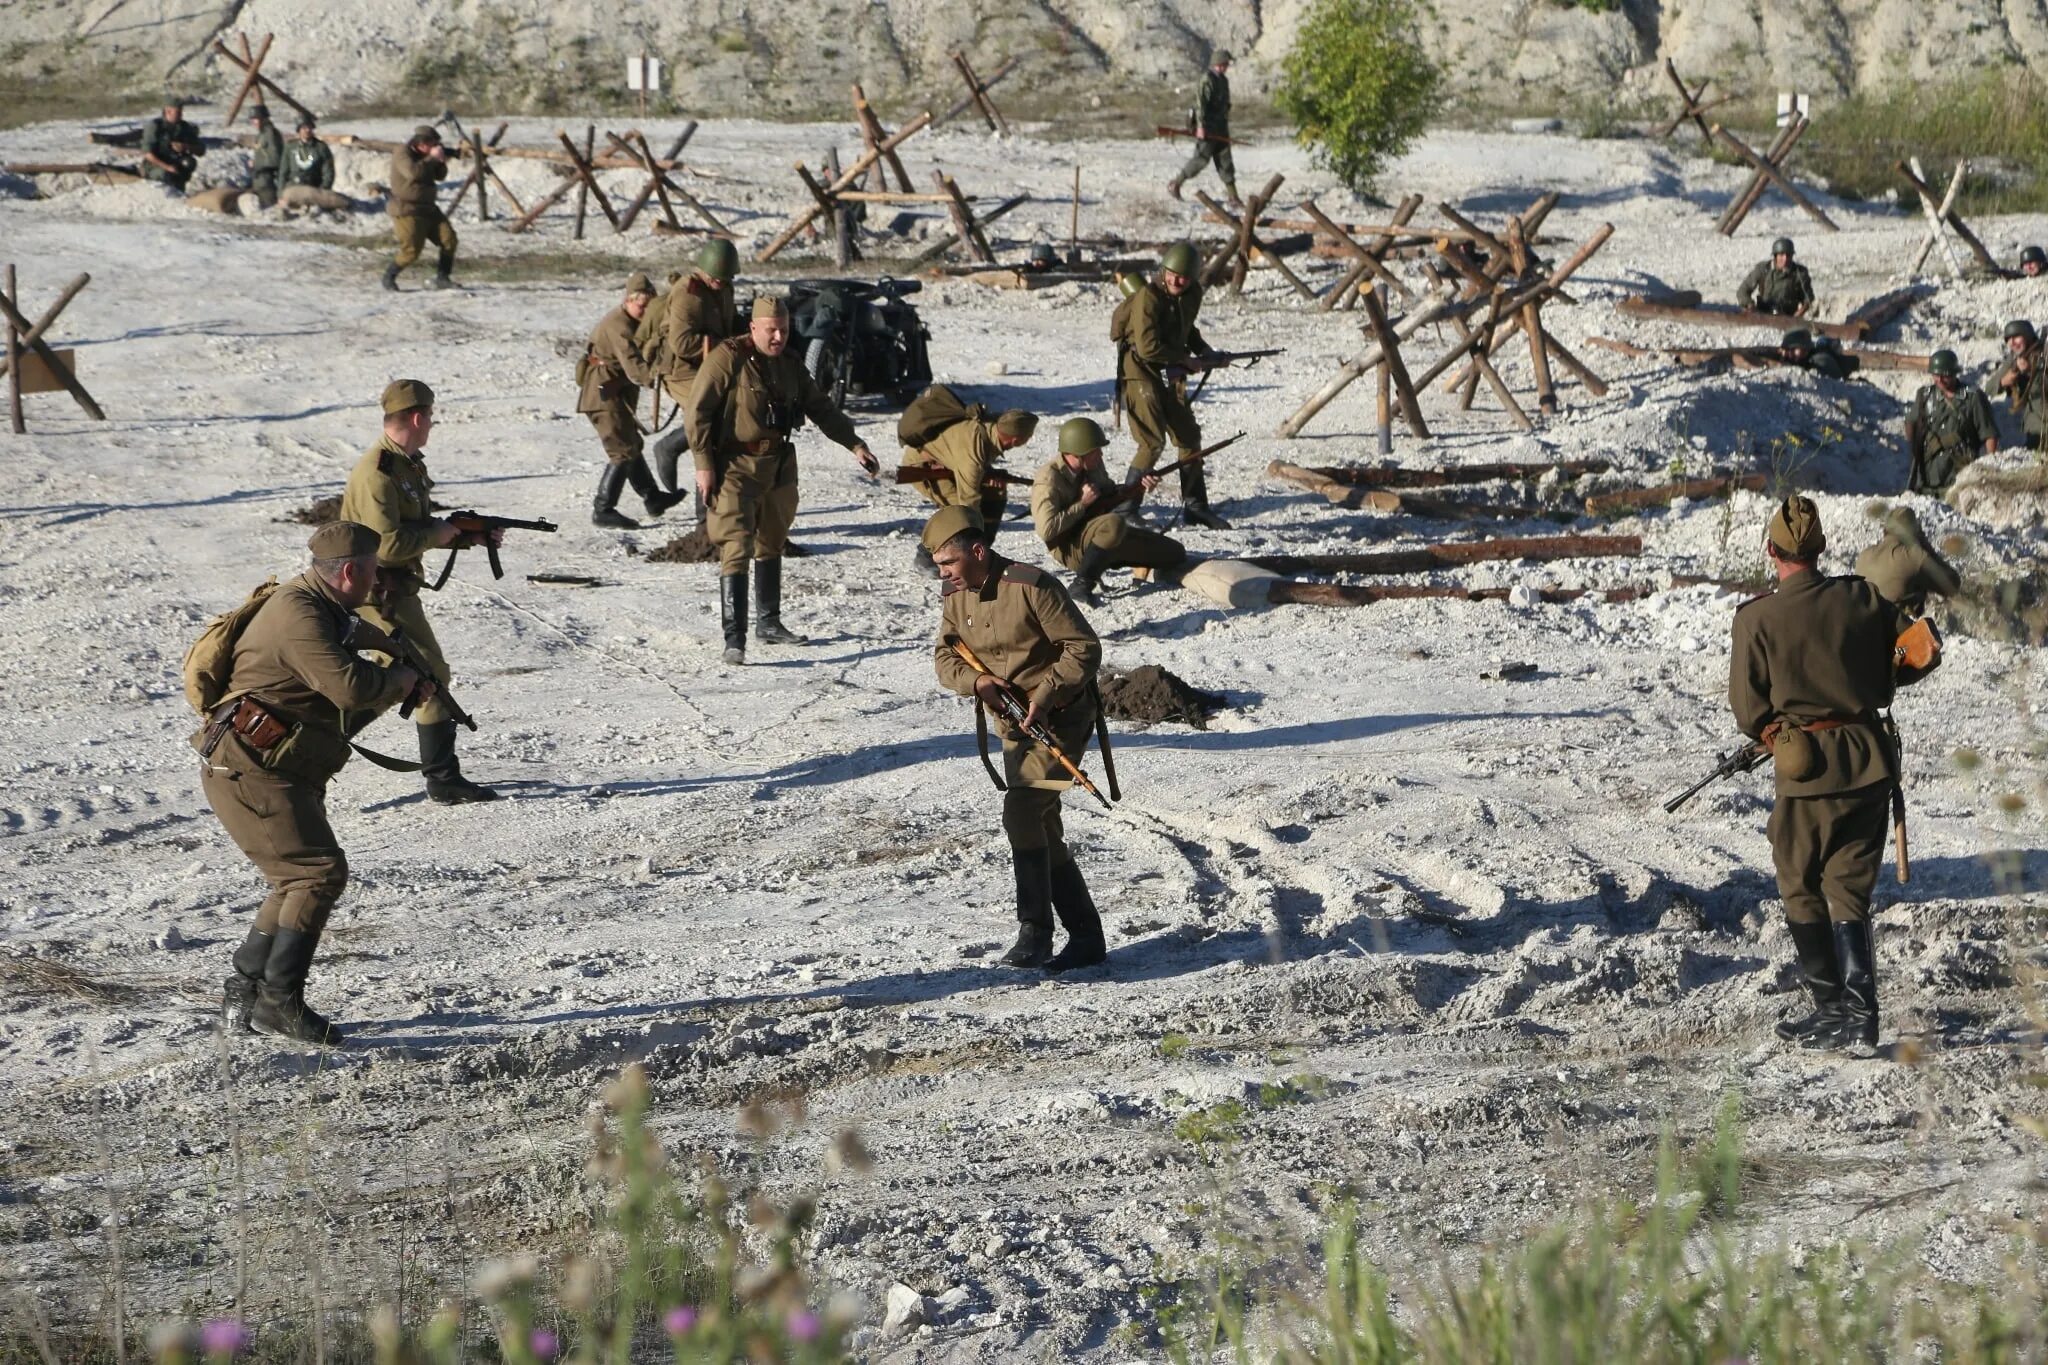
(1358, 86)
(1998, 119)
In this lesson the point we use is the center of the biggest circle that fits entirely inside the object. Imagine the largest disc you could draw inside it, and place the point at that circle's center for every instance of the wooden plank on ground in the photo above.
(1426, 558)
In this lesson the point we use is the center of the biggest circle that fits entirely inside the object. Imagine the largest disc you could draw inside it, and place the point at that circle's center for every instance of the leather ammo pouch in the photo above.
(259, 729)
(1794, 755)
(292, 749)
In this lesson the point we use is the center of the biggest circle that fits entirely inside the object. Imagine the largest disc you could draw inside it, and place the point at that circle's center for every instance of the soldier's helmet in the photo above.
(2034, 256)
(2021, 328)
(1042, 255)
(1079, 435)
(718, 258)
(1798, 339)
(1943, 363)
(1782, 247)
(1220, 57)
(1180, 258)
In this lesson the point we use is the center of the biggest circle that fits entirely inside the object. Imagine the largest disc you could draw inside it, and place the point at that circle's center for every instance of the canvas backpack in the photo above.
(212, 656)
(931, 413)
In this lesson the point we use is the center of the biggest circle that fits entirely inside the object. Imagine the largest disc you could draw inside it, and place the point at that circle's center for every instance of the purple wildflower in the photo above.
(803, 1326)
(542, 1343)
(223, 1337)
(679, 1321)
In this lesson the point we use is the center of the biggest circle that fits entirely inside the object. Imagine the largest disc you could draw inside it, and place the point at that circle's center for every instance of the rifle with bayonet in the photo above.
(1014, 710)
(1740, 760)
(478, 529)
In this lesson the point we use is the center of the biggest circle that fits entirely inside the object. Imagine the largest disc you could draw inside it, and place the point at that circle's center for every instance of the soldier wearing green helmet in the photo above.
(1950, 426)
(1779, 285)
(1157, 344)
(698, 315)
(1073, 507)
(1799, 347)
(1209, 121)
(2023, 380)
(2034, 262)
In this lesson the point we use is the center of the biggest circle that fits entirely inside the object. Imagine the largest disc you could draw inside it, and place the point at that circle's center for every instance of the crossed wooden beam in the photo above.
(1945, 216)
(252, 75)
(1768, 169)
(825, 197)
(977, 93)
(1692, 106)
(480, 172)
(1236, 256)
(659, 187)
(25, 339)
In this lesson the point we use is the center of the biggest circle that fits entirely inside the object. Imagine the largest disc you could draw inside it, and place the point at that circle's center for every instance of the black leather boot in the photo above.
(444, 270)
(642, 480)
(1194, 500)
(1033, 947)
(1822, 977)
(1856, 1017)
(281, 1010)
(1088, 577)
(238, 993)
(1076, 909)
(604, 508)
(391, 278)
(438, 764)
(768, 627)
(732, 614)
(668, 454)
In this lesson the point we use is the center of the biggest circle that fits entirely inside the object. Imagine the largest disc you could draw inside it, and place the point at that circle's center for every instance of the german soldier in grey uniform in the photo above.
(1212, 130)
(1779, 285)
(1809, 674)
(1022, 625)
(268, 750)
(1950, 426)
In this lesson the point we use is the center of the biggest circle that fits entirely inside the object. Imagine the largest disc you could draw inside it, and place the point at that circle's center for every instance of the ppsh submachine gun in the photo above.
(479, 529)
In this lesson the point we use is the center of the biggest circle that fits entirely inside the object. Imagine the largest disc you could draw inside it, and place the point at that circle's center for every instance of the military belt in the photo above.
(765, 446)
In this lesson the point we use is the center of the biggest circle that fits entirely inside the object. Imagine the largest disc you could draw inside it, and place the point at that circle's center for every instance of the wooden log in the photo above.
(1753, 188)
(14, 416)
(1272, 257)
(1325, 478)
(1710, 315)
(1691, 489)
(873, 135)
(1367, 263)
(1778, 178)
(27, 336)
(584, 173)
(845, 181)
(544, 203)
(964, 226)
(1427, 558)
(1875, 313)
(1872, 359)
(102, 168)
(1499, 386)
(1390, 352)
(631, 213)
(1432, 310)
(952, 239)
(1003, 68)
(252, 71)
(1288, 592)
(1514, 304)
(1449, 509)
(993, 116)
(1952, 219)
(268, 84)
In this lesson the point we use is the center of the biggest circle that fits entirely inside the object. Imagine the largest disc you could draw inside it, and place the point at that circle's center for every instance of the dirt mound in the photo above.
(318, 512)
(2014, 610)
(694, 548)
(1149, 694)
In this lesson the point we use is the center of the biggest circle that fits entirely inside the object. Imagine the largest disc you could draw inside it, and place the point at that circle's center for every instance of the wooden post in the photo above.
(978, 92)
(31, 339)
(14, 416)
(1752, 190)
(873, 135)
(1430, 312)
(264, 81)
(1934, 235)
(1074, 221)
(1778, 177)
(252, 71)
(867, 159)
(1390, 363)
(972, 100)
(1386, 387)
(1953, 220)
(546, 202)
(963, 218)
(952, 239)
(589, 189)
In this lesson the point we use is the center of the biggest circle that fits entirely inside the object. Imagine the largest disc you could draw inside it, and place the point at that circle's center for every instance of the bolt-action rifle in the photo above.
(938, 473)
(477, 529)
(1735, 761)
(1015, 710)
(1130, 491)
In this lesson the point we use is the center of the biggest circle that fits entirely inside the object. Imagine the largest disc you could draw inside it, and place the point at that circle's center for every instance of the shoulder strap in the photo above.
(981, 739)
(1102, 740)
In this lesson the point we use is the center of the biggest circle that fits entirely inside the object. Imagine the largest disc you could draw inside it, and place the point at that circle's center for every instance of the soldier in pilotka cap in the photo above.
(747, 400)
(417, 169)
(293, 694)
(609, 378)
(1809, 675)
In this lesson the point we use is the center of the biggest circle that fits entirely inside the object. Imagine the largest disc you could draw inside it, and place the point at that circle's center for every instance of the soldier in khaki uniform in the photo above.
(699, 314)
(745, 405)
(1157, 344)
(1071, 502)
(390, 492)
(1779, 285)
(2023, 379)
(1808, 675)
(971, 451)
(417, 169)
(1904, 568)
(610, 375)
(268, 751)
(1950, 426)
(1020, 623)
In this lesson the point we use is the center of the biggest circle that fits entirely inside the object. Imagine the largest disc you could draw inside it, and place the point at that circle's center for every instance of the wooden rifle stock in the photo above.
(1040, 733)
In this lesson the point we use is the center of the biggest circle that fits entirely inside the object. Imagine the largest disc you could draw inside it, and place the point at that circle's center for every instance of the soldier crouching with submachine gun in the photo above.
(1813, 665)
(1011, 638)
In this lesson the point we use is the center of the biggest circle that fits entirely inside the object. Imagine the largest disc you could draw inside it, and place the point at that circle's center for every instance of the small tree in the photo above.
(1358, 85)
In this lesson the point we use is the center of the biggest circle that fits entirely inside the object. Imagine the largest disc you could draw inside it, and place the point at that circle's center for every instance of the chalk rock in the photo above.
(907, 1311)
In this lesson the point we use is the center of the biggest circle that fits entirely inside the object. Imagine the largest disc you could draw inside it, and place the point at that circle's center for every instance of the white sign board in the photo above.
(1792, 108)
(643, 73)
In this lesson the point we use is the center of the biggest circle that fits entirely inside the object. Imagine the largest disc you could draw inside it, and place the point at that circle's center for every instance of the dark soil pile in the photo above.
(694, 548)
(1149, 694)
(318, 512)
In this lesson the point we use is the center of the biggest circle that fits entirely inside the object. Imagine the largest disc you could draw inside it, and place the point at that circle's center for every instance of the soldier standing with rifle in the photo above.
(1073, 507)
(274, 738)
(1809, 674)
(389, 492)
(700, 313)
(1950, 425)
(1012, 639)
(417, 169)
(1210, 120)
(1157, 344)
(745, 405)
(2023, 380)
(610, 376)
